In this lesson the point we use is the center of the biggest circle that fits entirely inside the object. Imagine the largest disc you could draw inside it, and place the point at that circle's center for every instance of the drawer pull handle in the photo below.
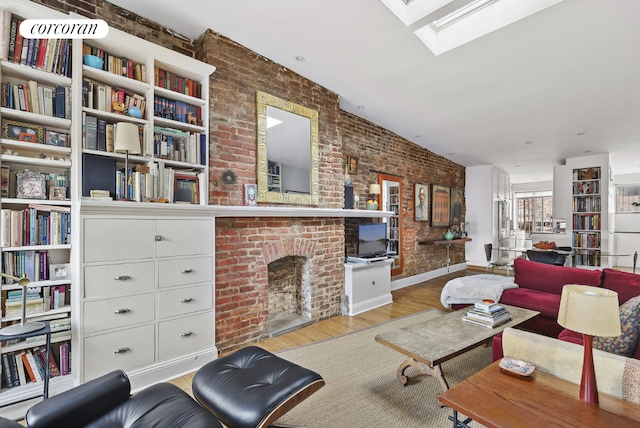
(187, 300)
(121, 350)
(186, 334)
(122, 277)
(186, 270)
(158, 237)
(122, 311)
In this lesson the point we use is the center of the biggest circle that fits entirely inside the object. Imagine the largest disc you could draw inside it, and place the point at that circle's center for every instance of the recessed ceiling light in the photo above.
(587, 151)
(528, 142)
(419, 136)
(518, 166)
(299, 58)
(450, 154)
(361, 107)
(581, 133)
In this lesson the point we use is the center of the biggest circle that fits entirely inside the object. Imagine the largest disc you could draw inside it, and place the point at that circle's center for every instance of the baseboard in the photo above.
(416, 279)
(367, 305)
(168, 370)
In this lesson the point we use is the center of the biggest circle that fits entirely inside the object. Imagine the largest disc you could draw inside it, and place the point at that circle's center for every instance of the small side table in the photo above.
(448, 243)
(45, 331)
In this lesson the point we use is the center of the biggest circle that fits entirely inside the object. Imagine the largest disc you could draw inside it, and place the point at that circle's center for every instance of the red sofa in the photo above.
(540, 287)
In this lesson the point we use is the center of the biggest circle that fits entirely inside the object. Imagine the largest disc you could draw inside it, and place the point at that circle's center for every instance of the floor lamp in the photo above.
(592, 311)
(127, 141)
(24, 326)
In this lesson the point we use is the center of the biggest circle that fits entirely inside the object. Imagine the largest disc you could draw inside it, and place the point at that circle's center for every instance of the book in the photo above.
(102, 135)
(91, 131)
(34, 371)
(6, 369)
(5, 227)
(488, 307)
(21, 370)
(484, 324)
(5, 32)
(489, 319)
(64, 358)
(28, 368)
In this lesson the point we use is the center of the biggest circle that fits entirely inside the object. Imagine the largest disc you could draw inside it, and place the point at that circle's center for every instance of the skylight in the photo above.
(469, 22)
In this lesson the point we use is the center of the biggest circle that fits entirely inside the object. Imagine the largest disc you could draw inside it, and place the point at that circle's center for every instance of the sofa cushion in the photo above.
(550, 278)
(626, 343)
(626, 284)
(545, 303)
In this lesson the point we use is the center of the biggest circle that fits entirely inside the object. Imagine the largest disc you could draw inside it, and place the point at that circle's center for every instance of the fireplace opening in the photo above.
(288, 294)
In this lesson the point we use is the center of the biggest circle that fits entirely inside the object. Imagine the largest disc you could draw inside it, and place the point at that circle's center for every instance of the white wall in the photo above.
(479, 196)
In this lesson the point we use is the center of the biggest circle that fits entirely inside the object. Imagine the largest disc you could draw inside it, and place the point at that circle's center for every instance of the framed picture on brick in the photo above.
(440, 206)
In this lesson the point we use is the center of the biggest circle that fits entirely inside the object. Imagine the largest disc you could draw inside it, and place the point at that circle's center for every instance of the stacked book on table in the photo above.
(488, 315)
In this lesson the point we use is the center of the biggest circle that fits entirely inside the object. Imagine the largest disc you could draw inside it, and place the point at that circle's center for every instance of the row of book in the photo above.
(586, 240)
(587, 204)
(50, 55)
(586, 187)
(115, 64)
(168, 80)
(487, 315)
(35, 225)
(179, 145)
(156, 182)
(587, 222)
(177, 110)
(592, 259)
(104, 97)
(38, 300)
(36, 98)
(27, 366)
(8, 180)
(35, 264)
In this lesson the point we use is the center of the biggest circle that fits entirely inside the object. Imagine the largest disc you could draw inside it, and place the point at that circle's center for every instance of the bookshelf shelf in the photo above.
(587, 216)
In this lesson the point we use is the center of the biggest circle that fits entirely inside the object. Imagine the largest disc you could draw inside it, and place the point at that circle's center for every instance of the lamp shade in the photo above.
(589, 310)
(127, 138)
(374, 189)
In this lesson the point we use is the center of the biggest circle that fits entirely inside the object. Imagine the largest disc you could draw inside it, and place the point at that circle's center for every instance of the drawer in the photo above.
(185, 271)
(118, 312)
(118, 239)
(117, 279)
(136, 346)
(185, 237)
(185, 335)
(183, 301)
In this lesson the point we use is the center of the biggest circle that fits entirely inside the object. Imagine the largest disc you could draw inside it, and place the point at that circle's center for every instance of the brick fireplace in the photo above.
(308, 252)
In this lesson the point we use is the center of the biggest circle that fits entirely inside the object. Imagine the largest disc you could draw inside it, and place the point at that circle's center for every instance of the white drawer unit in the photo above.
(124, 349)
(147, 294)
(185, 335)
(181, 301)
(367, 285)
(117, 312)
(117, 279)
(185, 271)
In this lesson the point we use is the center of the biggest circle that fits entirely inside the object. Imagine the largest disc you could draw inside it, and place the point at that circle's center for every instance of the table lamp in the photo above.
(127, 141)
(592, 311)
(24, 326)
(374, 189)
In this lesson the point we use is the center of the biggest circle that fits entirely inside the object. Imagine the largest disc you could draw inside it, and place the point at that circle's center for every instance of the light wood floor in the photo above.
(406, 301)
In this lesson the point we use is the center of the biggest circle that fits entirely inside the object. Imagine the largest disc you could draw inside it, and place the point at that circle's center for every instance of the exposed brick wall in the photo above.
(381, 151)
(244, 246)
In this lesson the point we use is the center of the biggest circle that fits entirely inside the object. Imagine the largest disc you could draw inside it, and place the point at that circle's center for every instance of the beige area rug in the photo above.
(362, 389)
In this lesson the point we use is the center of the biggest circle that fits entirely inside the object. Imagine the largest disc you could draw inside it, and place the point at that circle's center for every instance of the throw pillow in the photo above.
(626, 343)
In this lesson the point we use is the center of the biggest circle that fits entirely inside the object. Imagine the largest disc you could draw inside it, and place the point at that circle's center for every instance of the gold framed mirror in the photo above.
(287, 151)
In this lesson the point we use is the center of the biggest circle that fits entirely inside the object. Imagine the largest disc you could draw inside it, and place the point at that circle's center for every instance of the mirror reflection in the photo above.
(287, 151)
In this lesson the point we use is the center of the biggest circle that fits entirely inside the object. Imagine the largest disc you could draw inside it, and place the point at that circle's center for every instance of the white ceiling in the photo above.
(569, 69)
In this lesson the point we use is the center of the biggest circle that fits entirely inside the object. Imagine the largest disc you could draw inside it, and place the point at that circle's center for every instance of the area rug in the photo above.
(362, 389)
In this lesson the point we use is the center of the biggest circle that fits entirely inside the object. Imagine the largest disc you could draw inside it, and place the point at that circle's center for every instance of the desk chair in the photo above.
(500, 263)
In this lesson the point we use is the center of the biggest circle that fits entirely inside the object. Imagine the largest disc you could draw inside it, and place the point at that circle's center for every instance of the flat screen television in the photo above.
(372, 240)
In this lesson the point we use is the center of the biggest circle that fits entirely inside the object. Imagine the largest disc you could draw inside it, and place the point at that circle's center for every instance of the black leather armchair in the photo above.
(107, 402)
(250, 388)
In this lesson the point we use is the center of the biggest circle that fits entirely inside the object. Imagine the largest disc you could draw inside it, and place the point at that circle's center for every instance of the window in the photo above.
(625, 196)
(534, 212)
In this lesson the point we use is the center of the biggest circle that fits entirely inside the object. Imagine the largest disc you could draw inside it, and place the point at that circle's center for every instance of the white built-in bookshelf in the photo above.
(48, 141)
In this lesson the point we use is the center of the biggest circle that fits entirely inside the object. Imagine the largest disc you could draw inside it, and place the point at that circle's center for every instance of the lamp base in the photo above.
(16, 329)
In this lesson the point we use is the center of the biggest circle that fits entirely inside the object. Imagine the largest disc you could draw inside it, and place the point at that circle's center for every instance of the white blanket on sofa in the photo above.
(473, 288)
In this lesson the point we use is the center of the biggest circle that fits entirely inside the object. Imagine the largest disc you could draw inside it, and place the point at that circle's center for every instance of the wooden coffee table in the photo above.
(498, 399)
(430, 343)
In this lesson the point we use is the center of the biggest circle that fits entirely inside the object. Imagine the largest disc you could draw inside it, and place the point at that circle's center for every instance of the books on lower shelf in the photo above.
(28, 365)
(487, 315)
